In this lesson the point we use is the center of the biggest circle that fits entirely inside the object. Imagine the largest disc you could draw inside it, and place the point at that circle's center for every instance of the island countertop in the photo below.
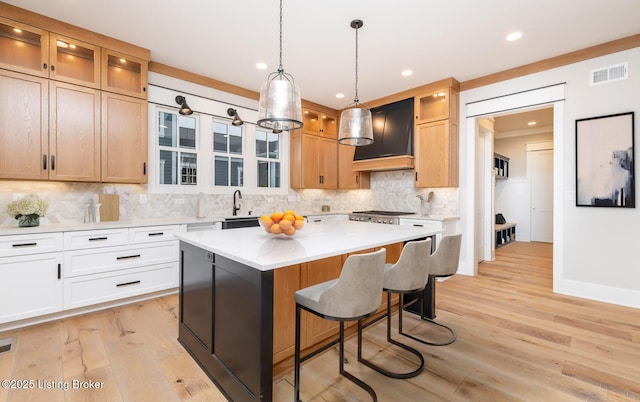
(263, 251)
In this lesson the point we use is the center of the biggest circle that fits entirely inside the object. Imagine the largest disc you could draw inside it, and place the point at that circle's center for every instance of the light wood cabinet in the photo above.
(286, 281)
(347, 177)
(31, 50)
(48, 129)
(436, 147)
(24, 124)
(124, 139)
(318, 123)
(314, 162)
(436, 138)
(124, 74)
(74, 133)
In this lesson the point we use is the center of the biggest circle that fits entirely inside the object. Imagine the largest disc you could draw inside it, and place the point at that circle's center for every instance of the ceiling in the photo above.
(518, 124)
(464, 39)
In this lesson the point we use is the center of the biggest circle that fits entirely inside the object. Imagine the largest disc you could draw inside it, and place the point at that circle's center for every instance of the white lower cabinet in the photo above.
(85, 290)
(30, 285)
(44, 273)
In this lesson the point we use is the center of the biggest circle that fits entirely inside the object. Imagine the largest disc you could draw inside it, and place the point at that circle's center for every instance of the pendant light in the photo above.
(280, 109)
(356, 127)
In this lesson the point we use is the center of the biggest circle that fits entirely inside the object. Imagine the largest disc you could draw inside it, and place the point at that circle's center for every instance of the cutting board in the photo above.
(109, 207)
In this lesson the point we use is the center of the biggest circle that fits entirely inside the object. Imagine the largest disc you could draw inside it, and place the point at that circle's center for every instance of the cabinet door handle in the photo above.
(127, 283)
(126, 257)
(44, 162)
(357, 181)
(24, 245)
(59, 271)
(53, 162)
(53, 68)
(97, 238)
(418, 225)
(144, 168)
(156, 234)
(44, 66)
(416, 176)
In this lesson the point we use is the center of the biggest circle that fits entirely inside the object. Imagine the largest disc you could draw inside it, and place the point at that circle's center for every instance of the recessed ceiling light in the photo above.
(514, 36)
(532, 123)
(407, 73)
(339, 96)
(261, 66)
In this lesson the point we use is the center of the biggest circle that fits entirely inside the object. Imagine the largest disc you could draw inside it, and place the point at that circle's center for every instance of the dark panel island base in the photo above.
(226, 322)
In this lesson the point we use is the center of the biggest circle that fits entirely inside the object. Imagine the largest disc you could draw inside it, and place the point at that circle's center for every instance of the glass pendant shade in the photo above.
(280, 108)
(356, 127)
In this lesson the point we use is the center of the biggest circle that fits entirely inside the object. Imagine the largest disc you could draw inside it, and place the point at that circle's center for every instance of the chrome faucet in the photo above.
(236, 207)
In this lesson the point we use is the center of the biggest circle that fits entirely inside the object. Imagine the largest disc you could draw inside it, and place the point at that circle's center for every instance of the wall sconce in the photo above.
(237, 121)
(184, 108)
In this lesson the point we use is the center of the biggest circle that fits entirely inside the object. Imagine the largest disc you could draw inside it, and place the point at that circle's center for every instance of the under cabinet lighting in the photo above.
(532, 123)
(123, 61)
(17, 30)
(62, 44)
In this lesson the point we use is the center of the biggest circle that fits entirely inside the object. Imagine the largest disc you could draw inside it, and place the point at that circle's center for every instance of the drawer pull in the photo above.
(156, 234)
(98, 238)
(24, 245)
(418, 225)
(126, 257)
(127, 283)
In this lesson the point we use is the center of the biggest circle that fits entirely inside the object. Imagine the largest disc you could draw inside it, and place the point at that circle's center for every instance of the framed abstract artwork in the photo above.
(604, 161)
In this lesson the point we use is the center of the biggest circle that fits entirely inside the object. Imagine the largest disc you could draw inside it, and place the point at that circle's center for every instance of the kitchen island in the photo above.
(227, 293)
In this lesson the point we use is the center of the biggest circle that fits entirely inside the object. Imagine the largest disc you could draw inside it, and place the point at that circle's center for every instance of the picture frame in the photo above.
(605, 174)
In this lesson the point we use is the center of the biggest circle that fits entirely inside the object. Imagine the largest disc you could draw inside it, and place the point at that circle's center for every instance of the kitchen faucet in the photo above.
(236, 207)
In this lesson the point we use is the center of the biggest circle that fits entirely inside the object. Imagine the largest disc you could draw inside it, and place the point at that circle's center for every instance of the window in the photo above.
(228, 155)
(267, 159)
(178, 150)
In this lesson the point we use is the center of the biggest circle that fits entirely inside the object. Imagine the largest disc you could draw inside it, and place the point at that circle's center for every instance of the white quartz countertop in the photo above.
(258, 249)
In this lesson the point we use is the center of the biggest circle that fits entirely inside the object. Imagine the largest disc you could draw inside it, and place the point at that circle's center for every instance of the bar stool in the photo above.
(444, 263)
(408, 275)
(353, 296)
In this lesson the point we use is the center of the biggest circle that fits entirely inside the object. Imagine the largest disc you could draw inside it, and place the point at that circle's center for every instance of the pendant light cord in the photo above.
(280, 69)
(356, 100)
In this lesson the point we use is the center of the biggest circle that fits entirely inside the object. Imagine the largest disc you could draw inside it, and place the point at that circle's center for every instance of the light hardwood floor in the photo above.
(517, 341)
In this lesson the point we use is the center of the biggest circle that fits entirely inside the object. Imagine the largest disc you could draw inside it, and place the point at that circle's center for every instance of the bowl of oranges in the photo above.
(285, 223)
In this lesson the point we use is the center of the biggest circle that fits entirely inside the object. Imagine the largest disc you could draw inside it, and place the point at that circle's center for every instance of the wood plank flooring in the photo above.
(517, 341)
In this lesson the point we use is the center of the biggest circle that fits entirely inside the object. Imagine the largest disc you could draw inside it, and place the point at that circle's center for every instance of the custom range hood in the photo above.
(392, 147)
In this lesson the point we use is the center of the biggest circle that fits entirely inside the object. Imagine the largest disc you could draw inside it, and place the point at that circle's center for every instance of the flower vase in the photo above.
(28, 221)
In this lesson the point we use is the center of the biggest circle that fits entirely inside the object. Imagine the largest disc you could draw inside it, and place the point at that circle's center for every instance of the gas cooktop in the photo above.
(383, 213)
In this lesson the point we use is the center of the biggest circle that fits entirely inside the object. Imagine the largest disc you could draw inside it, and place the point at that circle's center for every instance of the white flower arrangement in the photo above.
(31, 206)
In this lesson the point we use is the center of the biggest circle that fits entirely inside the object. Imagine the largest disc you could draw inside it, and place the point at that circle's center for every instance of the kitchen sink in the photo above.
(241, 222)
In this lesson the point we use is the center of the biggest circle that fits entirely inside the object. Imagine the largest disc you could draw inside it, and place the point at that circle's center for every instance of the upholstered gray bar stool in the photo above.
(444, 263)
(353, 296)
(409, 275)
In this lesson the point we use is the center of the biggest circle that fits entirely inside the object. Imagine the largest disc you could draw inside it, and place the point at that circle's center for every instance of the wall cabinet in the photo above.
(54, 122)
(314, 162)
(30, 275)
(318, 123)
(124, 139)
(347, 177)
(501, 166)
(436, 135)
(436, 149)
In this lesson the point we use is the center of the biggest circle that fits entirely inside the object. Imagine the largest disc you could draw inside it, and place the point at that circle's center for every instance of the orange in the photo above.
(290, 231)
(299, 217)
(275, 228)
(289, 217)
(298, 224)
(289, 212)
(285, 224)
(266, 220)
(277, 216)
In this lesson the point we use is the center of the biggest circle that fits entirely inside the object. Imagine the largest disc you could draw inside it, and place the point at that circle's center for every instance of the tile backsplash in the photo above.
(391, 190)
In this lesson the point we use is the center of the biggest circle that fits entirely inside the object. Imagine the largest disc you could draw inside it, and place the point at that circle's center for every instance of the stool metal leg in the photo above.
(296, 379)
(449, 341)
(409, 349)
(349, 376)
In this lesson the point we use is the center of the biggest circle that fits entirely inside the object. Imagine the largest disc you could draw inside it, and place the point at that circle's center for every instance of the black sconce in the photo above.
(184, 108)
(237, 121)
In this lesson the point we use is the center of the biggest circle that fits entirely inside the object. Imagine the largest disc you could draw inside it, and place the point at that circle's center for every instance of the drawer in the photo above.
(33, 243)
(147, 234)
(95, 238)
(99, 288)
(104, 259)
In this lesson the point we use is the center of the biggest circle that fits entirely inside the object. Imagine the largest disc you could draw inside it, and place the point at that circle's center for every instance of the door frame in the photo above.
(530, 149)
(552, 95)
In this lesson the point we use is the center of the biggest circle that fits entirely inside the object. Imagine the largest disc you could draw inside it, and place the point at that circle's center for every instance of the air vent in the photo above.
(6, 345)
(609, 74)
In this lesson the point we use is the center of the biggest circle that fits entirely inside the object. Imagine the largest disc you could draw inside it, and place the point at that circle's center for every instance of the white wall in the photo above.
(597, 255)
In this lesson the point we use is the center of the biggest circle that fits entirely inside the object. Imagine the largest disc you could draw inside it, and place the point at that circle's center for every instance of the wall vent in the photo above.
(7, 345)
(609, 74)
